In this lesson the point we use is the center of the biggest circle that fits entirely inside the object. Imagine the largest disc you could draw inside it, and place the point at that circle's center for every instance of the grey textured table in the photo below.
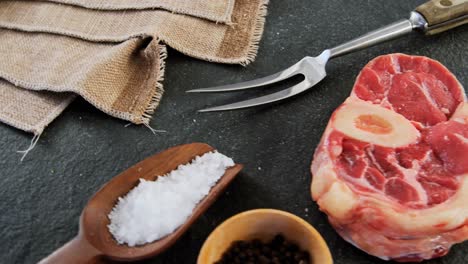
(42, 197)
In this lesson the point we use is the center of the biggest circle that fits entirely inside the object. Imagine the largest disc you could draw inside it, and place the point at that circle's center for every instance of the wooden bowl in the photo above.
(264, 224)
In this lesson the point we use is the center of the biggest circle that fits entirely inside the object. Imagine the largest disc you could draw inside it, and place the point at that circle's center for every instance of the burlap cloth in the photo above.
(111, 52)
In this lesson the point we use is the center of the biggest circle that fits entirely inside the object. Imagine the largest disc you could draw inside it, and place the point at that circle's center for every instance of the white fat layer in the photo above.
(427, 94)
(463, 139)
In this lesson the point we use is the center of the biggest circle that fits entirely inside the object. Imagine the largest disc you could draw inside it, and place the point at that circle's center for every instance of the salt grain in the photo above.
(155, 209)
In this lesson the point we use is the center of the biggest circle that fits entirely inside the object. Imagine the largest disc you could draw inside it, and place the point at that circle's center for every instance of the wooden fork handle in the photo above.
(442, 15)
(76, 251)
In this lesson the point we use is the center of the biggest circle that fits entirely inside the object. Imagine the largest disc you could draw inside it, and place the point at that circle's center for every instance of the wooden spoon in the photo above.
(94, 241)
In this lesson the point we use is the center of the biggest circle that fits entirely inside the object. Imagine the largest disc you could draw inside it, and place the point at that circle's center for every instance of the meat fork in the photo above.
(431, 18)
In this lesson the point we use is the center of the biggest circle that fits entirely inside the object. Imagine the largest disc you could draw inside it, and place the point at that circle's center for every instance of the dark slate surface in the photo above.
(42, 197)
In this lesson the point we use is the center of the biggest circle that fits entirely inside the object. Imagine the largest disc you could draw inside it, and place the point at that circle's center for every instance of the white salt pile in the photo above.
(155, 209)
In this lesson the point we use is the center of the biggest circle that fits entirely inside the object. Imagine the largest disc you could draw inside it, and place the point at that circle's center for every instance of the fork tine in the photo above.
(279, 76)
(283, 94)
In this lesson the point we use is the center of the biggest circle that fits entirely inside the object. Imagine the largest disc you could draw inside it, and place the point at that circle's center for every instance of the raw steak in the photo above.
(391, 170)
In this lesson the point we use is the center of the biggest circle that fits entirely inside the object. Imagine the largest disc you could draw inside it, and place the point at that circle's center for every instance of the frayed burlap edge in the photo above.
(226, 18)
(249, 55)
(251, 50)
(257, 33)
(142, 117)
(39, 128)
(159, 89)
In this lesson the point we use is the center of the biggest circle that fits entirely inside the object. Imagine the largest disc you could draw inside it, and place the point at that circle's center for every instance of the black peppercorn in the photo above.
(276, 251)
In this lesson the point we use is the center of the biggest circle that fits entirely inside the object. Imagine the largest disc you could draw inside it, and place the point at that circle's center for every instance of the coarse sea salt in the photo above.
(155, 209)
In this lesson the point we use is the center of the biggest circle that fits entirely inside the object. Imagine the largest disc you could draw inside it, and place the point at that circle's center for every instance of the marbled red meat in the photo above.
(391, 170)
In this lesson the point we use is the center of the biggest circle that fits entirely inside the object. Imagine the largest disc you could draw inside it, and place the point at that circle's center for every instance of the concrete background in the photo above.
(42, 197)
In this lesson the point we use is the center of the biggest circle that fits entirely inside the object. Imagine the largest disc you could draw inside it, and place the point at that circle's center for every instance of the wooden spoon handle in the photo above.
(76, 251)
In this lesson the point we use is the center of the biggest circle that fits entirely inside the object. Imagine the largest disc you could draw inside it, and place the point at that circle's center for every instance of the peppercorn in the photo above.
(276, 251)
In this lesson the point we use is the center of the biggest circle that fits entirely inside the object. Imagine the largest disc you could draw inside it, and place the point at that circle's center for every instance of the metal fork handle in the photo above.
(392, 31)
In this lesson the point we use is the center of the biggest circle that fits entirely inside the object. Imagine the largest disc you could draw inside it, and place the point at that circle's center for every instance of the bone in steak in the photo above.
(391, 170)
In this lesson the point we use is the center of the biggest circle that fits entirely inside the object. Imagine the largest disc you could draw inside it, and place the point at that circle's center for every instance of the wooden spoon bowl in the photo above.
(94, 239)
